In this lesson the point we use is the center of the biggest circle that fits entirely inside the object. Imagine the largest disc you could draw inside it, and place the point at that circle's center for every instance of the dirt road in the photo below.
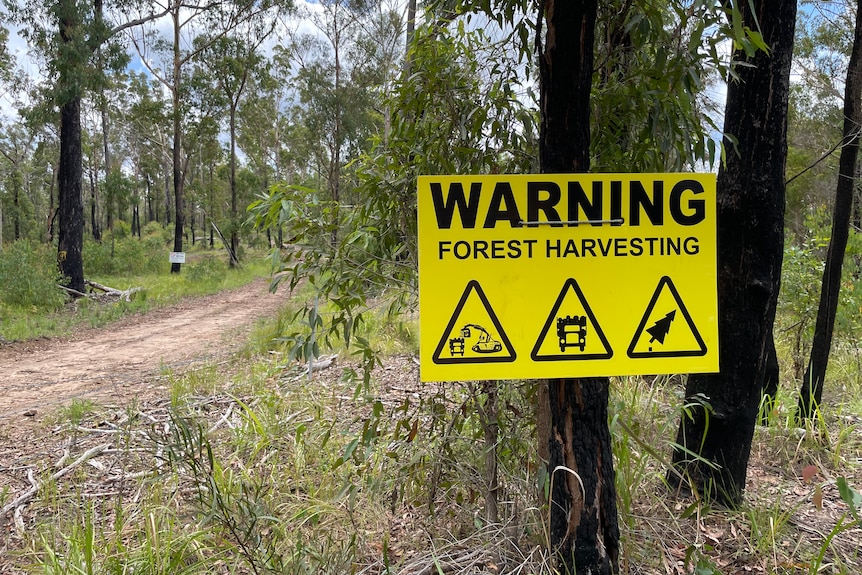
(126, 358)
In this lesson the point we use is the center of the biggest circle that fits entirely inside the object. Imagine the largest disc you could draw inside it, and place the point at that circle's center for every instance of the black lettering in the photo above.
(502, 194)
(636, 247)
(535, 204)
(497, 247)
(673, 247)
(480, 247)
(651, 242)
(530, 247)
(605, 249)
(571, 248)
(620, 247)
(466, 247)
(691, 246)
(445, 210)
(652, 207)
(588, 245)
(578, 199)
(697, 207)
(443, 248)
(617, 202)
(515, 249)
(549, 248)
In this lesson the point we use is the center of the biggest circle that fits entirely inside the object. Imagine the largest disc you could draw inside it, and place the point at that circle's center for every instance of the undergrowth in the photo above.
(268, 469)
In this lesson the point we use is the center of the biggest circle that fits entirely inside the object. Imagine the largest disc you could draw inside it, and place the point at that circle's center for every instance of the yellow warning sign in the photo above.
(567, 275)
(666, 329)
(474, 334)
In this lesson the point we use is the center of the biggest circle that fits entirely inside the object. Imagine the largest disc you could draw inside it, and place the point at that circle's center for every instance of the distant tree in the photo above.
(230, 61)
(812, 384)
(219, 18)
(16, 149)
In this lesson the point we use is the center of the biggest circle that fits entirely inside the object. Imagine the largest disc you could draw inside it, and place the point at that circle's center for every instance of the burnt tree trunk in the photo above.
(70, 203)
(583, 514)
(815, 373)
(720, 424)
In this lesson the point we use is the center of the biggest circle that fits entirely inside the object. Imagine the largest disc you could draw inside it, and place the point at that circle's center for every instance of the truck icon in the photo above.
(572, 331)
(484, 342)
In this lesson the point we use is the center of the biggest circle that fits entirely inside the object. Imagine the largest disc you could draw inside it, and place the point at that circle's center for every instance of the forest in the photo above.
(292, 134)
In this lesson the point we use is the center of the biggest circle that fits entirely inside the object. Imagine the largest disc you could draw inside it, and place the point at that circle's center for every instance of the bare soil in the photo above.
(124, 359)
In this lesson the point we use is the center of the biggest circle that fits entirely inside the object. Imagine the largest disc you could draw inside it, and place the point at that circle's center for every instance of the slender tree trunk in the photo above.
(491, 429)
(718, 425)
(411, 31)
(168, 175)
(94, 206)
(52, 213)
(584, 527)
(234, 233)
(16, 207)
(815, 373)
(179, 211)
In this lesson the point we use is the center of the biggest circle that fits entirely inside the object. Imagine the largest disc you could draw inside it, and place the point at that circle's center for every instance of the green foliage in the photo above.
(655, 61)
(29, 276)
(463, 91)
(128, 255)
(801, 278)
(206, 268)
(121, 230)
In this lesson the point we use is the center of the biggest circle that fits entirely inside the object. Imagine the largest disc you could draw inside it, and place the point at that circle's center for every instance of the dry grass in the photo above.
(259, 468)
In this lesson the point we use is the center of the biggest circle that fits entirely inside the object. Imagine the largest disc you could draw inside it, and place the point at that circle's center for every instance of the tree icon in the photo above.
(661, 327)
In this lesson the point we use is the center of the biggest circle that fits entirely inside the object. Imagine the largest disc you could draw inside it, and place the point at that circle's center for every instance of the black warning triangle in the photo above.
(662, 334)
(474, 334)
(572, 332)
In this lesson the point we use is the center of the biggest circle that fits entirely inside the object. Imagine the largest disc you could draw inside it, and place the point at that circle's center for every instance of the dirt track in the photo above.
(124, 359)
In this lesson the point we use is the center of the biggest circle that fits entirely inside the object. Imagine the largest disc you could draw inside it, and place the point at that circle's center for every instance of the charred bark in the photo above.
(719, 424)
(70, 203)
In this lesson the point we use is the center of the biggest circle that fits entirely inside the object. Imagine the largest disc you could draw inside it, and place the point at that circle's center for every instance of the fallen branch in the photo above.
(30, 493)
(122, 294)
(73, 292)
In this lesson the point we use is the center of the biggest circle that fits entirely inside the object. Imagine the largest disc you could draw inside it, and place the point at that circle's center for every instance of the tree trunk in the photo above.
(179, 213)
(491, 428)
(234, 233)
(94, 202)
(718, 425)
(584, 528)
(815, 373)
(16, 206)
(70, 204)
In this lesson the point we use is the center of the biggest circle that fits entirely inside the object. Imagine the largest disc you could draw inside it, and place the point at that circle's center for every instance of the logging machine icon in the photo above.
(484, 342)
(572, 332)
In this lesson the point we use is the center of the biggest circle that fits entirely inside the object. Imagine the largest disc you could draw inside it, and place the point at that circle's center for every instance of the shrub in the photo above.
(29, 276)
(152, 229)
(127, 256)
(122, 230)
